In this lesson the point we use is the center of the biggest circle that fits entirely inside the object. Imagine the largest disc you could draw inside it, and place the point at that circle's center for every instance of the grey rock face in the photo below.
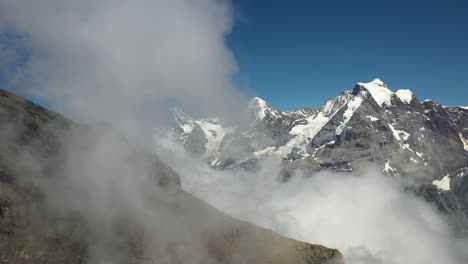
(196, 141)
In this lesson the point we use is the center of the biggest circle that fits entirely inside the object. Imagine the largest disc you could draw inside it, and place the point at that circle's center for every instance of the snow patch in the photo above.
(443, 184)
(353, 105)
(304, 133)
(387, 167)
(321, 147)
(464, 141)
(187, 128)
(399, 134)
(405, 95)
(407, 146)
(372, 118)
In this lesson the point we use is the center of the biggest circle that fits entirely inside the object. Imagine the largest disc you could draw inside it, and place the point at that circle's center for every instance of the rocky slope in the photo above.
(422, 142)
(47, 217)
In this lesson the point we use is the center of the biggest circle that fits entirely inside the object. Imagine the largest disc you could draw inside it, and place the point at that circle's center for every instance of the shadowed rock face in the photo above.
(39, 226)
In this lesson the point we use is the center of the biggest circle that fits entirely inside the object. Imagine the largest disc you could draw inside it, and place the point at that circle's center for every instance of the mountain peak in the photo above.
(405, 95)
(258, 99)
(257, 107)
(375, 82)
(378, 90)
(258, 102)
(378, 81)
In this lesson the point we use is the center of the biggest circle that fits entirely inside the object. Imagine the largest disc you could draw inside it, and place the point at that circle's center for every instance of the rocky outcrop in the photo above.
(44, 219)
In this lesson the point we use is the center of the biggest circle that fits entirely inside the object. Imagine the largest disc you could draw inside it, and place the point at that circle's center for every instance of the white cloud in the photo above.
(122, 60)
(369, 216)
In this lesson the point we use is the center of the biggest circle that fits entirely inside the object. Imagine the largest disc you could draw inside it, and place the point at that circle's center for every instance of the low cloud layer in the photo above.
(367, 215)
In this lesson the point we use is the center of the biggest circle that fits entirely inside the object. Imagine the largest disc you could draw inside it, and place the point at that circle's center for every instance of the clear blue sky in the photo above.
(298, 53)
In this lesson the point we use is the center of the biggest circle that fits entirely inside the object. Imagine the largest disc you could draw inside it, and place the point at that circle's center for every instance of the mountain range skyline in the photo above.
(401, 93)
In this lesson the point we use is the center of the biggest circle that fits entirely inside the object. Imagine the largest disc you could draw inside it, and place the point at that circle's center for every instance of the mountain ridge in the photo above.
(424, 142)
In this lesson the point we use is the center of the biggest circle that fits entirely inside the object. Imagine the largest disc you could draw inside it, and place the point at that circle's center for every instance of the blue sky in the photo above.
(299, 53)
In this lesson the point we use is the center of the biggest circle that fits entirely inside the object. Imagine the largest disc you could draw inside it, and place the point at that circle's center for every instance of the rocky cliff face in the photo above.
(47, 217)
(422, 142)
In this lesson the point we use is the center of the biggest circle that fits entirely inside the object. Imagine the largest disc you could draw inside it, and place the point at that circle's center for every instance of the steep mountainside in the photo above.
(43, 220)
(423, 142)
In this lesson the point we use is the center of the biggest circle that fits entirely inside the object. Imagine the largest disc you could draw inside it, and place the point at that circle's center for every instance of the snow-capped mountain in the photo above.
(203, 136)
(422, 141)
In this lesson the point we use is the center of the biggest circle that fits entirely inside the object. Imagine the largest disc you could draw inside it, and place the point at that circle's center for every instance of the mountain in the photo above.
(71, 193)
(422, 142)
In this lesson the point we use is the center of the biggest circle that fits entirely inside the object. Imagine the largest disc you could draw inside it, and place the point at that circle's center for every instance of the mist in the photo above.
(122, 61)
(367, 215)
(114, 67)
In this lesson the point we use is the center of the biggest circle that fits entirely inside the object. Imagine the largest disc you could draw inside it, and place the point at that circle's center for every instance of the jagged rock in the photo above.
(196, 141)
